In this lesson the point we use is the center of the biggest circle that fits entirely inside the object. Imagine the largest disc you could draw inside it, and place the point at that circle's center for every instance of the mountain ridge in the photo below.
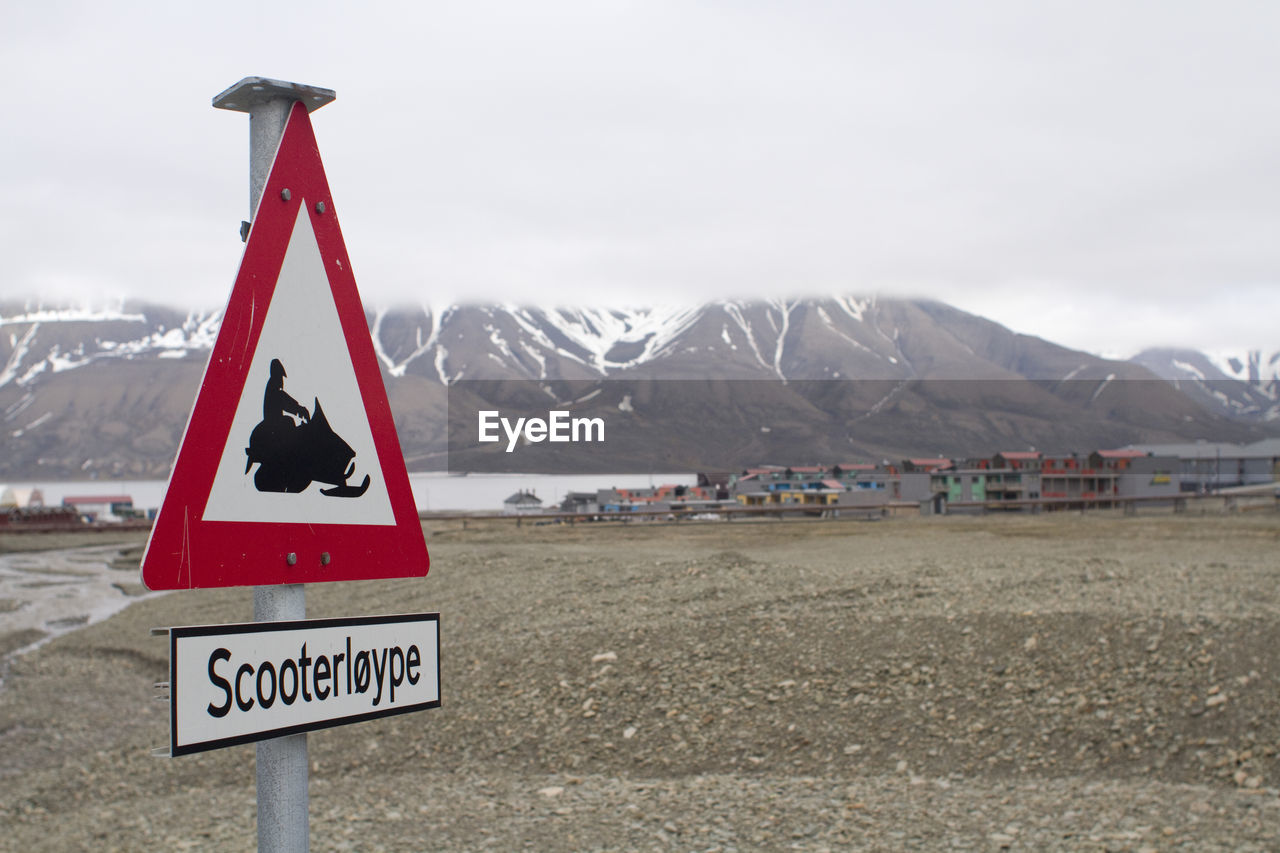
(107, 392)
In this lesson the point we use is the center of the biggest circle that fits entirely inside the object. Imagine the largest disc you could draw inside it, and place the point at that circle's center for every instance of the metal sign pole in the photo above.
(283, 819)
(283, 772)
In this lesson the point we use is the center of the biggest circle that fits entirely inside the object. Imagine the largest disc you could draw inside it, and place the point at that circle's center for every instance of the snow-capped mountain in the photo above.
(810, 339)
(107, 391)
(37, 339)
(1238, 387)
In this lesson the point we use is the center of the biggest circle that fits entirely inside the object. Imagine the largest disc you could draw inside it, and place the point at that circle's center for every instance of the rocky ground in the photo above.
(1057, 682)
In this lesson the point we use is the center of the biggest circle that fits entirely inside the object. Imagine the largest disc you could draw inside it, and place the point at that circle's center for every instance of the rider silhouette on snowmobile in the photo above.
(276, 403)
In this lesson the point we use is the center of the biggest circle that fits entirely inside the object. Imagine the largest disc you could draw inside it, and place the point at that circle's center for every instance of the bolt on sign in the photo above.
(290, 470)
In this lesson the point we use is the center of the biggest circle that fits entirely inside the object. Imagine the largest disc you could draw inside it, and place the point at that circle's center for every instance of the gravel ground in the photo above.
(1057, 682)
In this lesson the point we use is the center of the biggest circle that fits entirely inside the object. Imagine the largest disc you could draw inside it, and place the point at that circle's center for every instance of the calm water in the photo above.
(433, 492)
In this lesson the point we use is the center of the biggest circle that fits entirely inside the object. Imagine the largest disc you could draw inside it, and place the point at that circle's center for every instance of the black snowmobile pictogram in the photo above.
(291, 456)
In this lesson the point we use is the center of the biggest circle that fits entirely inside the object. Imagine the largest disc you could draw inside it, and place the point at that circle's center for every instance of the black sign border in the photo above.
(267, 627)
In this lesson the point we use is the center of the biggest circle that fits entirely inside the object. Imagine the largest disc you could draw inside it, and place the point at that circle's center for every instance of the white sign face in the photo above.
(301, 360)
(232, 684)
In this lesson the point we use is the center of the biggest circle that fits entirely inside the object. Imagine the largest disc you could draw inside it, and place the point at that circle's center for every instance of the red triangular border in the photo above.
(186, 552)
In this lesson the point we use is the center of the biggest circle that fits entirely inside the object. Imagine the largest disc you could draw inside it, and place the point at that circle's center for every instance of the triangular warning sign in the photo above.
(290, 470)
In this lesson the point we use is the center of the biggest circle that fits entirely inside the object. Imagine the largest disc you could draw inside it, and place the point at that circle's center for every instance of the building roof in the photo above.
(1266, 447)
(73, 500)
(1213, 449)
(1122, 453)
(523, 497)
(1019, 454)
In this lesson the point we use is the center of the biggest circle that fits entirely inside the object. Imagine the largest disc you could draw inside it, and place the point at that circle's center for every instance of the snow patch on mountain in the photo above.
(38, 422)
(735, 313)
(855, 308)
(1256, 367)
(1189, 368)
(784, 312)
(826, 321)
(1230, 363)
(72, 315)
(198, 332)
(442, 358)
(70, 361)
(538, 357)
(1074, 373)
(436, 318)
(605, 339)
(21, 347)
(1102, 385)
(538, 337)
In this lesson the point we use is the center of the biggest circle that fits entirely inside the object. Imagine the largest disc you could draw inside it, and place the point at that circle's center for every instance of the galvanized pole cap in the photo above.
(253, 92)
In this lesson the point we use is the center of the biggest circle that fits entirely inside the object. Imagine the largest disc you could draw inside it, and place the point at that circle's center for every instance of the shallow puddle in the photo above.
(45, 594)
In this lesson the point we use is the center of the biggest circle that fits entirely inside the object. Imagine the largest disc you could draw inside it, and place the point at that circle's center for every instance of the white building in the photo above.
(522, 502)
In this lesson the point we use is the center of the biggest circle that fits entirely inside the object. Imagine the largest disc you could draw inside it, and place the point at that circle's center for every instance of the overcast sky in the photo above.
(1106, 175)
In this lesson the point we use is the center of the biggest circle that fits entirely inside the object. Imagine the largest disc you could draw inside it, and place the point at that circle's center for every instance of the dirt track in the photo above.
(1052, 682)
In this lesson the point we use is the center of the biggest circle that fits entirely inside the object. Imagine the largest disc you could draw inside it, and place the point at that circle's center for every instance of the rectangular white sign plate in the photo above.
(234, 684)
